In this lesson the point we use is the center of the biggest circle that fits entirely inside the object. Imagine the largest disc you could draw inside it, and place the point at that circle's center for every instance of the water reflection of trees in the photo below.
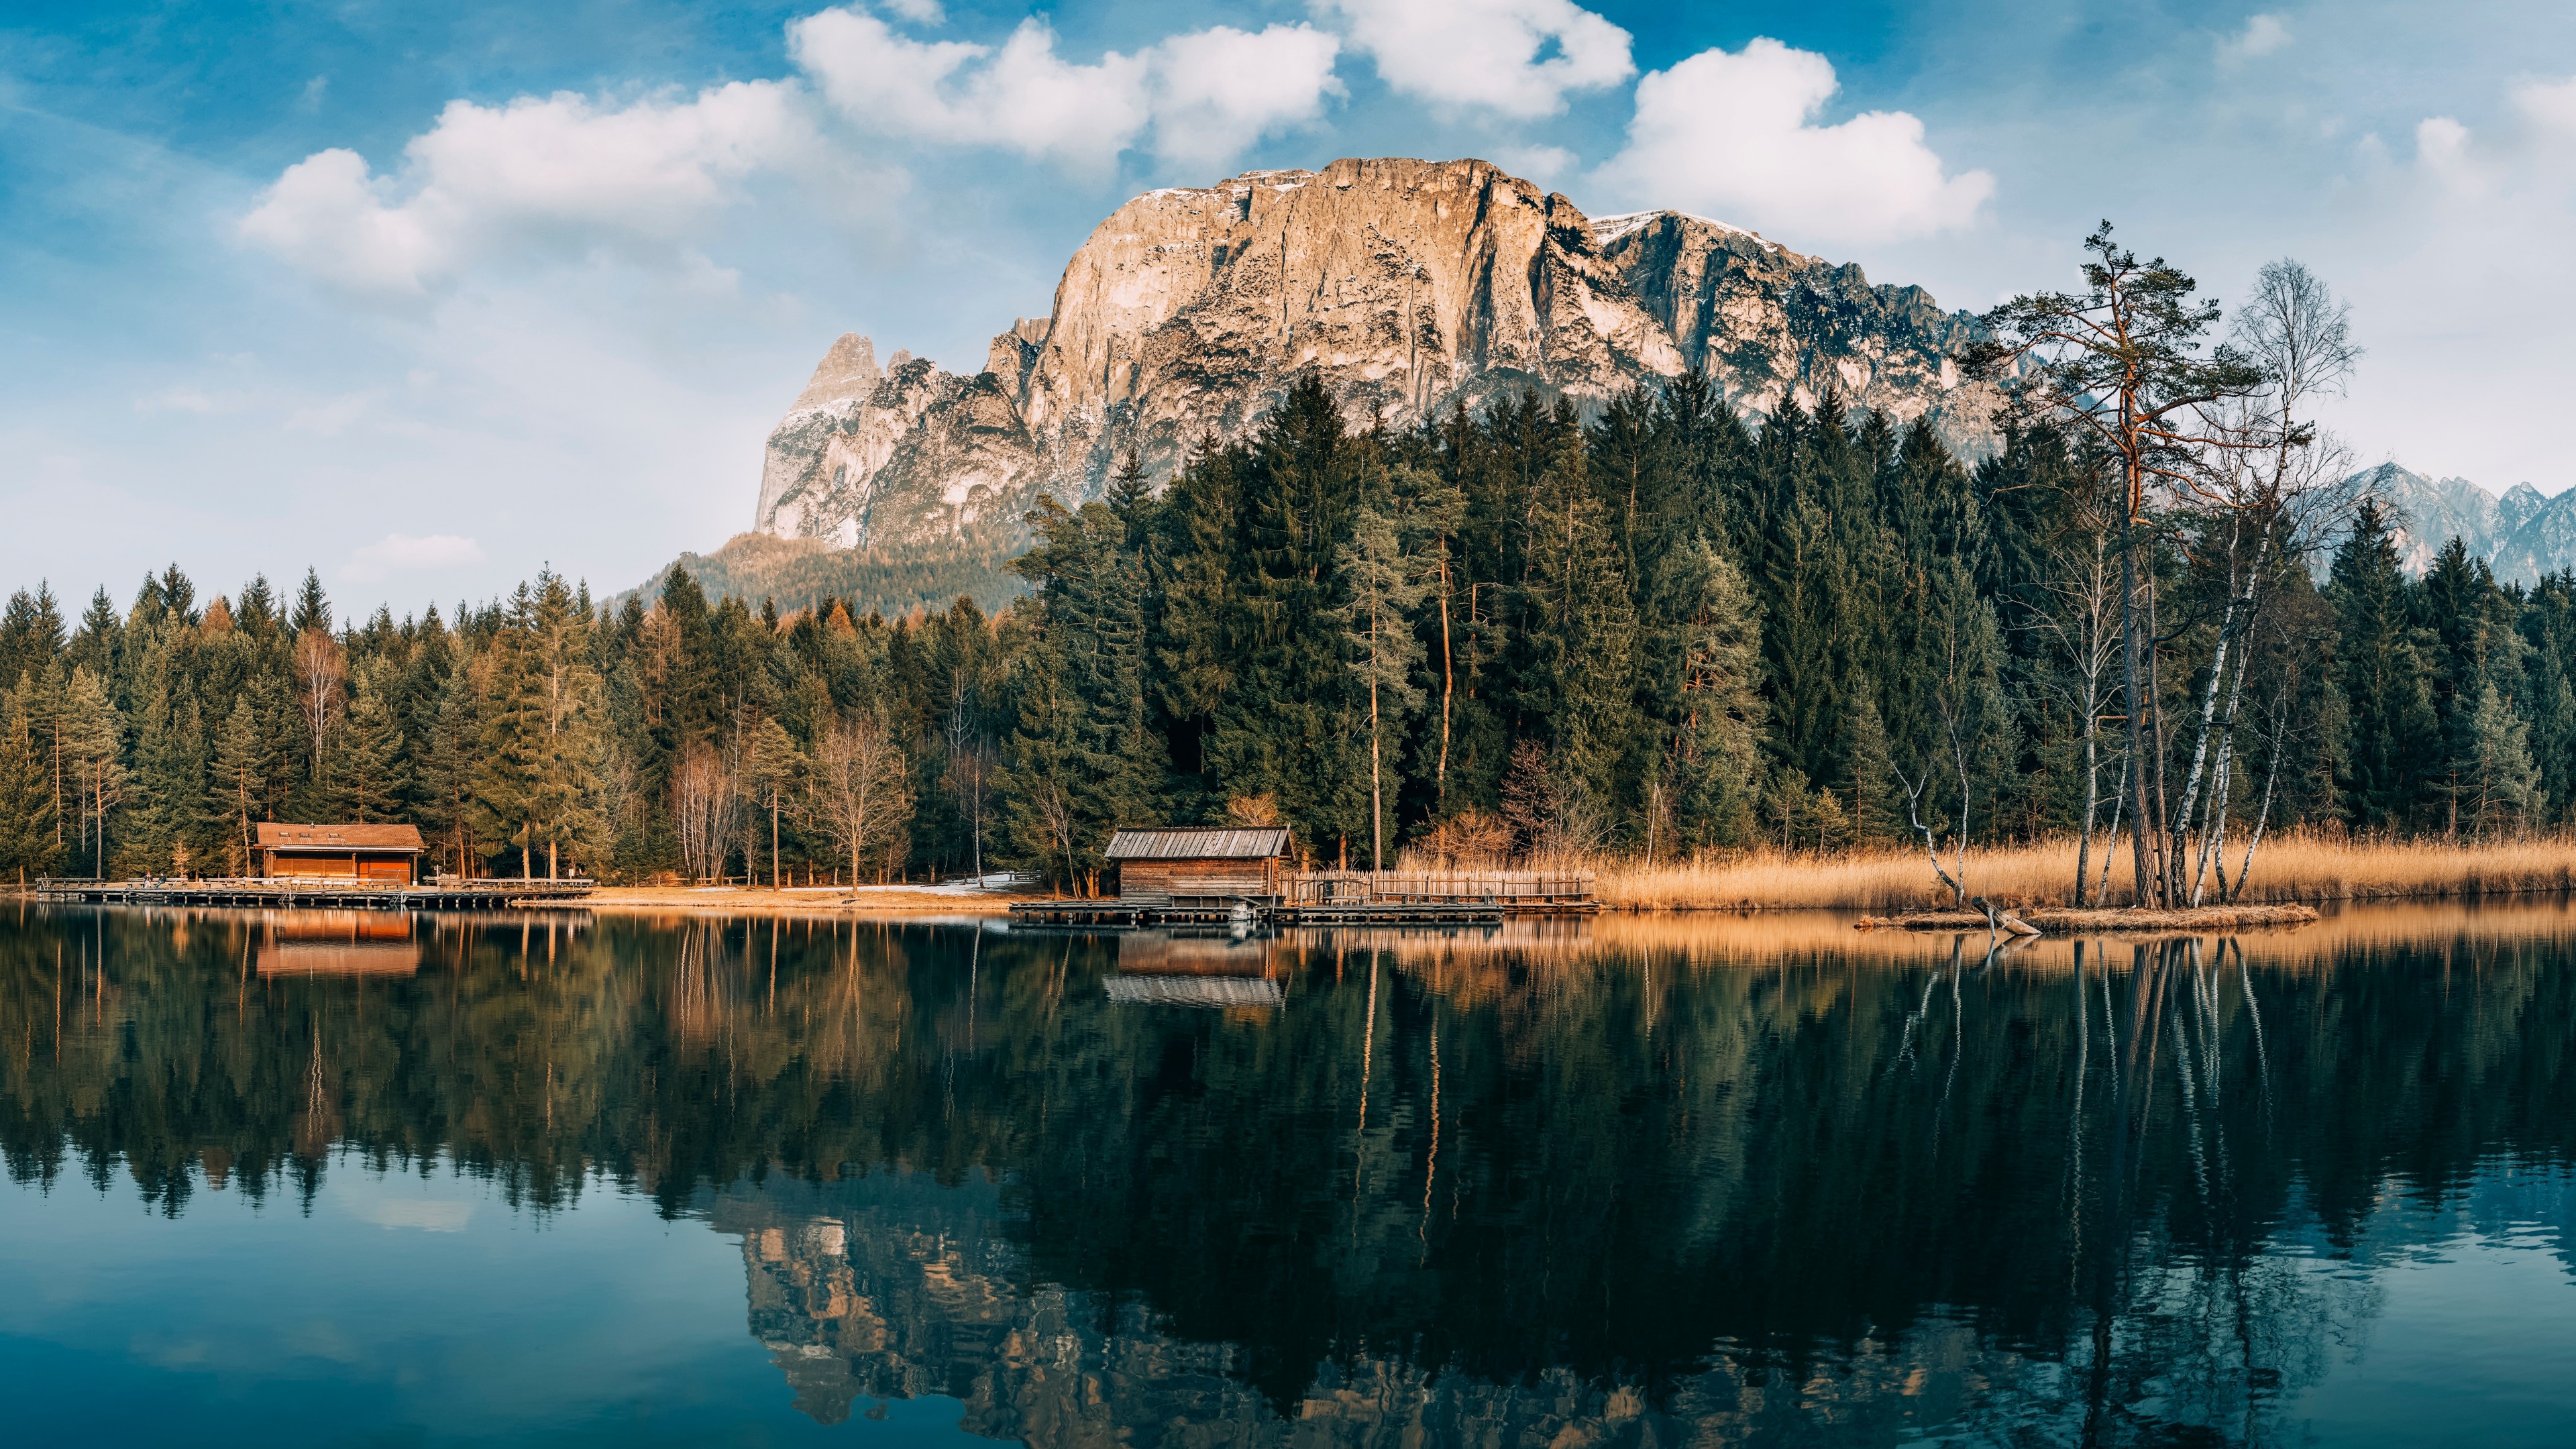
(1741, 1186)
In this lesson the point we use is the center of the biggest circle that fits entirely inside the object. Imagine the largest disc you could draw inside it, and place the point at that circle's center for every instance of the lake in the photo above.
(306, 1178)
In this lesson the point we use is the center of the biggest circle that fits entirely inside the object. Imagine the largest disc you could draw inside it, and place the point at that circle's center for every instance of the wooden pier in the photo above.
(1338, 898)
(445, 893)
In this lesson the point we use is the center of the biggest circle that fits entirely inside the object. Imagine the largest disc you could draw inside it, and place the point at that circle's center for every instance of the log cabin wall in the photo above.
(1156, 882)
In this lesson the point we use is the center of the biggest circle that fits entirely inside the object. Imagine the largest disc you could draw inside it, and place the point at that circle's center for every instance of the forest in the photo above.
(2152, 620)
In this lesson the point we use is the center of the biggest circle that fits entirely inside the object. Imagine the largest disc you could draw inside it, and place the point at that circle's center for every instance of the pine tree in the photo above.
(1578, 623)
(568, 689)
(1381, 591)
(1711, 758)
(94, 751)
(29, 842)
(509, 773)
(2392, 738)
(776, 765)
(2503, 785)
(1290, 722)
(31, 634)
(375, 771)
(238, 783)
(450, 760)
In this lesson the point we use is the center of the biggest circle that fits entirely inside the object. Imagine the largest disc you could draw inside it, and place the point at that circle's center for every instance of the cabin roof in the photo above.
(334, 838)
(1199, 842)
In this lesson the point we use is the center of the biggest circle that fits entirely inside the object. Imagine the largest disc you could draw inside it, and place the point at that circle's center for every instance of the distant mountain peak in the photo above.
(1407, 287)
(2522, 535)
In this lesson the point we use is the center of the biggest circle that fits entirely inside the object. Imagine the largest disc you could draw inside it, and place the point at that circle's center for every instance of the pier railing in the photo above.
(1516, 891)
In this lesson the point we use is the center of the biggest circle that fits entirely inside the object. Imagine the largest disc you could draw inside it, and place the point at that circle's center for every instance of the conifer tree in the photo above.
(31, 634)
(510, 770)
(375, 771)
(1381, 591)
(1711, 757)
(1578, 625)
(2392, 738)
(29, 842)
(238, 783)
(94, 750)
(2503, 785)
(775, 767)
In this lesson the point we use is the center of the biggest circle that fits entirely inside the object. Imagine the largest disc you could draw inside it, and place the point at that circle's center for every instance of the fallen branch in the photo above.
(2064, 920)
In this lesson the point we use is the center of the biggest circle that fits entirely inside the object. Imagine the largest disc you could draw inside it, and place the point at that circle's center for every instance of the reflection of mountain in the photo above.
(893, 1286)
(1630, 1179)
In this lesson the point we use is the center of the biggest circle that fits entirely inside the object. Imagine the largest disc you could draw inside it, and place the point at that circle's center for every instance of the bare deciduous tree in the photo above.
(862, 790)
(319, 674)
(706, 802)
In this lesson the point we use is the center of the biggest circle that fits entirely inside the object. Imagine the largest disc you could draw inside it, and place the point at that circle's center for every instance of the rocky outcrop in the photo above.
(1407, 287)
(1771, 326)
(2521, 535)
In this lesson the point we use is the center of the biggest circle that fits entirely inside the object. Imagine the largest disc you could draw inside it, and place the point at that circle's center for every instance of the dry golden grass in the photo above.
(1492, 960)
(2296, 867)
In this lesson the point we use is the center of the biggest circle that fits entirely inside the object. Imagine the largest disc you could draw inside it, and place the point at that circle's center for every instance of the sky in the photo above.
(428, 297)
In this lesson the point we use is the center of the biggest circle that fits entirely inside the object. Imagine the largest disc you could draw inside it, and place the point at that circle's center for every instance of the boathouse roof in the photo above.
(1199, 842)
(273, 836)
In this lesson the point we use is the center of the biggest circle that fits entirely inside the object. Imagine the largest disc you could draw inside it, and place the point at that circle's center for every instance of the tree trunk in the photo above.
(1440, 777)
(1377, 797)
(2132, 685)
(2262, 817)
(2092, 802)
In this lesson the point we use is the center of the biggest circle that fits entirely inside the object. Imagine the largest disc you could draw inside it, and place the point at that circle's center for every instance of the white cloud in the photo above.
(1542, 164)
(919, 12)
(1519, 57)
(1023, 97)
(401, 553)
(1217, 91)
(562, 171)
(2530, 156)
(2262, 35)
(1732, 135)
(1205, 95)
(426, 1215)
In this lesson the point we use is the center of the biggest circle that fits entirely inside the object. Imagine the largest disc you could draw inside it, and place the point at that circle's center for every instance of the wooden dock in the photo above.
(1339, 898)
(446, 893)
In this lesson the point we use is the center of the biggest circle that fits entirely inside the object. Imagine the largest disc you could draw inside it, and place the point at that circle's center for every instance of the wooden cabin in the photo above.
(373, 854)
(1198, 866)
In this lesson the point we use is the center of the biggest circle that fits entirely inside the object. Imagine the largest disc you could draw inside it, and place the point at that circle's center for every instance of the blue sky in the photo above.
(430, 295)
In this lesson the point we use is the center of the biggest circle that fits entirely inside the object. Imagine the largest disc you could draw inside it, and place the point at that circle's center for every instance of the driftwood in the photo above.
(2066, 920)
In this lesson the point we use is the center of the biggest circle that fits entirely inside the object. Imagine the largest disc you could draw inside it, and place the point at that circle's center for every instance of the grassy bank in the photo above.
(2302, 868)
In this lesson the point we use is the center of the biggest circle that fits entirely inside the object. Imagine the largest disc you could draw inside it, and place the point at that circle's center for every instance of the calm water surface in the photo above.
(288, 1179)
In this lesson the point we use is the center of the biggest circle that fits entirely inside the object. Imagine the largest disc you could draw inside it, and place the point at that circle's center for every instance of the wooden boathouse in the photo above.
(1201, 867)
(381, 854)
(326, 867)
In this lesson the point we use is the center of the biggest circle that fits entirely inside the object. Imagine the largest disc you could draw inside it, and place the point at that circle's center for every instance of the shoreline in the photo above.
(839, 901)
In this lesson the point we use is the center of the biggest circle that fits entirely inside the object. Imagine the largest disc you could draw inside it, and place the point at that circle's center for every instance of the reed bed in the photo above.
(2472, 932)
(2293, 868)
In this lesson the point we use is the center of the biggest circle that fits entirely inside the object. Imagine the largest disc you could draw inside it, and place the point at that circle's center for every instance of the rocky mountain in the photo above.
(2522, 535)
(1408, 287)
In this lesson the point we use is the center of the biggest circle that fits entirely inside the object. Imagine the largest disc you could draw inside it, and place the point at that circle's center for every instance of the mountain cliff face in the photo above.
(1408, 287)
(2522, 535)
